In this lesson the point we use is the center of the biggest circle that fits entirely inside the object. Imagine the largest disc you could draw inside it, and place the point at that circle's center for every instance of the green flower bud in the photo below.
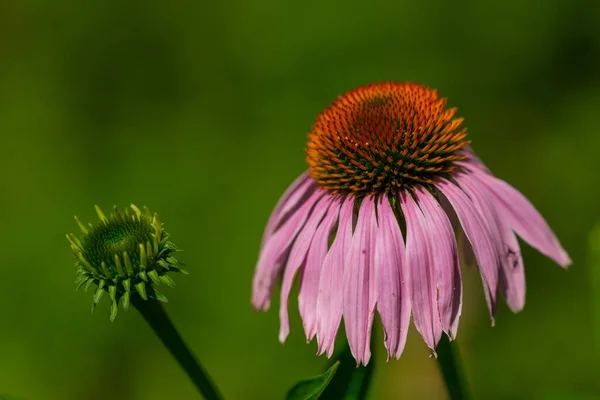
(126, 254)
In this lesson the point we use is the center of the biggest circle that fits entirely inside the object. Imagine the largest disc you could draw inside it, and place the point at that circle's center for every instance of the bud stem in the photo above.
(448, 360)
(155, 315)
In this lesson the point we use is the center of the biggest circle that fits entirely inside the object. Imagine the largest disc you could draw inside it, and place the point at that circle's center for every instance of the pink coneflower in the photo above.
(371, 225)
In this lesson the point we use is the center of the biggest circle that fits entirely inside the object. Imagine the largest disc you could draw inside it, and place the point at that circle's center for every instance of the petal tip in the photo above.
(564, 261)
(516, 309)
(260, 304)
(283, 336)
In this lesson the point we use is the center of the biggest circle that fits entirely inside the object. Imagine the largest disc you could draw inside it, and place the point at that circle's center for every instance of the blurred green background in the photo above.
(200, 111)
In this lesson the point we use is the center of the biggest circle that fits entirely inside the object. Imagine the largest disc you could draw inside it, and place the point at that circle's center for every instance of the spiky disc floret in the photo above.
(384, 137)
(122, 253)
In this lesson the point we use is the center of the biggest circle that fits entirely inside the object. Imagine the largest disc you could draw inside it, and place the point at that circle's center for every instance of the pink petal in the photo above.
(297, 258)
(272, 256)
(330, 297)
(391, 273)
(359, 284)
(445, 257)
(419, 258)
(525, 219)
(309, 287)
(512, 275)
(465, 251)
(483, 242)
(289, 201)
(302, 243)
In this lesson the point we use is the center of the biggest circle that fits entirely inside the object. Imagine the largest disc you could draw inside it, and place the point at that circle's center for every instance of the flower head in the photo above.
(384, 139)
(370, 227)
(125, 252)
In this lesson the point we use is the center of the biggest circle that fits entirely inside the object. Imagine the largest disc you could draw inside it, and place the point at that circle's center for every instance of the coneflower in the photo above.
(123, 253)
(127, 255)
(369, 226)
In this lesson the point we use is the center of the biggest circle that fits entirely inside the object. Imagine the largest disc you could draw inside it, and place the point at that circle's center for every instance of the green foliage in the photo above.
(351, 382)
(450, 364)
(342, 380)
(312, 388)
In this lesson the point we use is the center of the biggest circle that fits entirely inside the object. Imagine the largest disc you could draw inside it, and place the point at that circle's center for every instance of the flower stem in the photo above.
(448, 360)
(155, 315)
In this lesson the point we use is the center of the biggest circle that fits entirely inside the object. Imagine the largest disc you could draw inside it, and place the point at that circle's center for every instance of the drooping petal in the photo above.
(511, 273)
(330, 296)
(297, 258)
(359, 284)
(391, 271)
(465, 251)
(445, 257)
(272, 256)
(481, 238)
(525, 219)
(289, 201)
(309, 284)
(304, 238)
(421, 267)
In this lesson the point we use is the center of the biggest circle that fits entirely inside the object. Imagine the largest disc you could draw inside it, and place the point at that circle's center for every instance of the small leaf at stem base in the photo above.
(312, 388)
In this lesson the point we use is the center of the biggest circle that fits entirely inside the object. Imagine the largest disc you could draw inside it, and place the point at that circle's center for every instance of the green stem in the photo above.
(155, 315)
(448, 360)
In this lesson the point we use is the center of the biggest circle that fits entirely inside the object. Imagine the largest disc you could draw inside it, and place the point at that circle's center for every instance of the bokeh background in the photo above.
(200, 111)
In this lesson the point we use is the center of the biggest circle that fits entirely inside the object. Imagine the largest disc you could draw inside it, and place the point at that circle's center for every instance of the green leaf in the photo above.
(350, 382)
(312, 388)
(343, 380)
